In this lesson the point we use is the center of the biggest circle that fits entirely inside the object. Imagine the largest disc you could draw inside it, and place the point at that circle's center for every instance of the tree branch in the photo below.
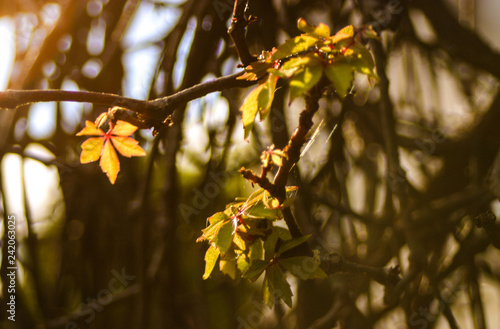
(157, 109)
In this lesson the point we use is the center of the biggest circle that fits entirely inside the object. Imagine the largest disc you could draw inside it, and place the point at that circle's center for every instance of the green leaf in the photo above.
(320, 31)
(255, 206)
(259, 100)
(256, 268)
(224, 236)
(256, 251)
(210, 260)
(243, 263)
(254, 226)
(278, 73)
(303, 267)
(249, 109)
(341, 76)
(272, 240)
(289, 244)
(260, 210)
(361, 60)
(305, 79)
(293, 46)
(294, 64)
(276, 286)
(210, 231)
(266, 96)
(284, 234)
(217, 217)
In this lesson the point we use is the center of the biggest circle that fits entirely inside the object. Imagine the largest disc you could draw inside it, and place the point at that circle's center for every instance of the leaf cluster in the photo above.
(250, 240)
(303, 61)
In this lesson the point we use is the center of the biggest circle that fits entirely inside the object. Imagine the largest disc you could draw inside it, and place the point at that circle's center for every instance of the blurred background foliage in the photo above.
(96, 255)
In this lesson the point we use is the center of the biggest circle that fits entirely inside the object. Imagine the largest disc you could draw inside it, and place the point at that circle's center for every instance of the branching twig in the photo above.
(292, 151)
(237, 32)
(262, 181)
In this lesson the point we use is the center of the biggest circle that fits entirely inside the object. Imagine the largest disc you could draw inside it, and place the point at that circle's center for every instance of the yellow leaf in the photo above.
(210, 260)
(277, 160)
(123, 128)
(90, 129)
(91, 149)
(109, 162)
(346, 33)
(128, 147)
(322, 30)
(265, 98)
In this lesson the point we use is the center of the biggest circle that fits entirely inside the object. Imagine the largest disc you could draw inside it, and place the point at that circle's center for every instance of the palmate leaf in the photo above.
(103, 147)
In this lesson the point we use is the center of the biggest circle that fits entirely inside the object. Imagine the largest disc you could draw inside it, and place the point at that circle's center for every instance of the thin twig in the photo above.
(262, 181)
(237, 32)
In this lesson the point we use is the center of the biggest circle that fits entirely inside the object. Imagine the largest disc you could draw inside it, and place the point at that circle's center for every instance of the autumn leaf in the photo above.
(103, 147)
